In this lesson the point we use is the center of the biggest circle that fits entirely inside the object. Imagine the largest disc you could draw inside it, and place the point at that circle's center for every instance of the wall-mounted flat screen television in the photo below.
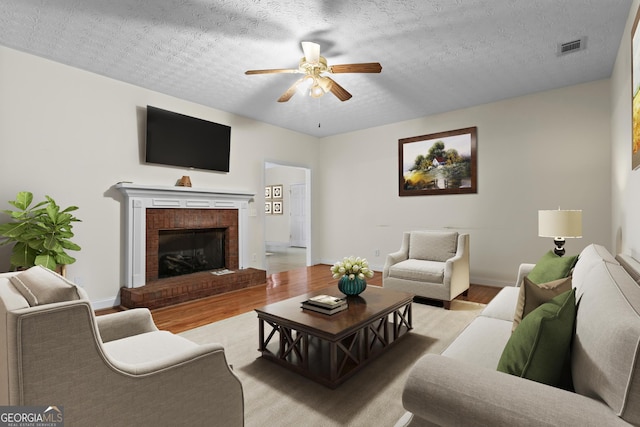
(178, 140)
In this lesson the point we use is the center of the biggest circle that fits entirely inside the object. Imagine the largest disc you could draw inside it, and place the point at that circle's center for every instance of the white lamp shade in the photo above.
(558, 223)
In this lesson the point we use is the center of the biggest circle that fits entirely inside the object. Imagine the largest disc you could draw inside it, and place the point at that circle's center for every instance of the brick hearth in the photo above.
(174, 290)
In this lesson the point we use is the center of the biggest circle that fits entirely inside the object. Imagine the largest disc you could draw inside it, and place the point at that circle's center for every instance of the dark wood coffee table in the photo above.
(331, 348)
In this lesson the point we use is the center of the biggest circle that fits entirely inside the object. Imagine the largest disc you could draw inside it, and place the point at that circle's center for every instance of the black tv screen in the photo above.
(178, 140)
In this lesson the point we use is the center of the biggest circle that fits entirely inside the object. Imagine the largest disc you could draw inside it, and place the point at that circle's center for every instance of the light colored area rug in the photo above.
(274, 396)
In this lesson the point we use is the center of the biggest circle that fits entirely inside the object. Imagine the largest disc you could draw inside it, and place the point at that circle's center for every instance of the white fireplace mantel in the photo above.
(141, 197)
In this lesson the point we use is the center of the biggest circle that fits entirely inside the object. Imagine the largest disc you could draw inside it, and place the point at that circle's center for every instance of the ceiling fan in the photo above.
(313, 66)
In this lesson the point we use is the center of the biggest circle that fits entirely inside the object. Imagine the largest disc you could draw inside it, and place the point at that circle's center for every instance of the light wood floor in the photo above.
(279, 286)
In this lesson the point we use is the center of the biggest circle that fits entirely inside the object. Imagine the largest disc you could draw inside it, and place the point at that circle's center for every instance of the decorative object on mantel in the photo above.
(353, 273)
(560, 224)
(41, 233)
(185, 181)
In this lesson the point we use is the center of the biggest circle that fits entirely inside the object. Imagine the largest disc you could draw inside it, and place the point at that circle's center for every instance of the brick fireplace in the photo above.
(159, 220)
(154, 211)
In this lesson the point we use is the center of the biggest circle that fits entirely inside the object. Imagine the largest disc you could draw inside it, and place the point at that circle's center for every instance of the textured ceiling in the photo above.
(436, 55)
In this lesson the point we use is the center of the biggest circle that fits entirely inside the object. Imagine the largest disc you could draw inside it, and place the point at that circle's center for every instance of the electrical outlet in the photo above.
(254, 257)
(377, 252)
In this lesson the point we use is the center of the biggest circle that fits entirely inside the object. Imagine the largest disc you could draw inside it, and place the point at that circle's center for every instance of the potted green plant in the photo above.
(41, 233)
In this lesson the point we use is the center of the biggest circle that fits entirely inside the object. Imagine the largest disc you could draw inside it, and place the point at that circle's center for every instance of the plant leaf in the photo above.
(46, 260)
(69, 245)
(63, 258)
(22, 255)
(23, 200)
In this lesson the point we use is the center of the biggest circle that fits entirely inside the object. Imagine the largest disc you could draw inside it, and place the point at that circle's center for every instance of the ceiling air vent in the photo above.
(572, 46)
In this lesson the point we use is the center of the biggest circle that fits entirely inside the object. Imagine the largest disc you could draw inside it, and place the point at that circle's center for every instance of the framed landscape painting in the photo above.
(635, 94)
(439, 163)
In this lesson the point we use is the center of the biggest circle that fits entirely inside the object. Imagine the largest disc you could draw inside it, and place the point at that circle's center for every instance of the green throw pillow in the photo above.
(538, 348)
(552, 267)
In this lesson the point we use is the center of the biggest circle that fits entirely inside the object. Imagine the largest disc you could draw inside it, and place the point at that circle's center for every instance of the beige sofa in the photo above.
(431, 264)
(462, 386)
(110, 370)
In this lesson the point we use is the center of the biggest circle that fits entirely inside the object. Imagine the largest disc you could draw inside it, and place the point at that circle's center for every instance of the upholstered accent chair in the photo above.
(431, 264)
(115, 369)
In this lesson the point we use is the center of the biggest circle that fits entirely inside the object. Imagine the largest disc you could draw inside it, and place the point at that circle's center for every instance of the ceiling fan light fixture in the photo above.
(313, 82)
(306, 84)
(316, 91)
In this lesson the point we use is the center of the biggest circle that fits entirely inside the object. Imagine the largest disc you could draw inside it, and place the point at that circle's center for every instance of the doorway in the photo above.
(287, 241)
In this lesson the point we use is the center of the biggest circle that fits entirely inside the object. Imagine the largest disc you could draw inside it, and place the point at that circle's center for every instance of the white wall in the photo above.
(535, 152)
(72, 135)
(625, 183)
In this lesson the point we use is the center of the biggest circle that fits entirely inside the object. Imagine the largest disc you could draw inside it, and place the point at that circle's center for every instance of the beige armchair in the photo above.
(430, 264)
(116, 369)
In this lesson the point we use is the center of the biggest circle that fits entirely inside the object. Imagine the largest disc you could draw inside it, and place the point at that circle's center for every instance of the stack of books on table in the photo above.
(325, 304)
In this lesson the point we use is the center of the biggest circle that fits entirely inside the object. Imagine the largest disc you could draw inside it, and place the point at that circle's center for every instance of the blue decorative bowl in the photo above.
(352, 287)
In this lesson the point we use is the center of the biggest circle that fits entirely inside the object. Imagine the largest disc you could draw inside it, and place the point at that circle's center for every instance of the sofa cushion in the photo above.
(552, 267)
(630, 265)
(606, 348)
(140, 349)
(590, 256)
(39, 285)
(433, 245)
(481, 342)
(538, 348)
(532, 296)
(503, 305)
(418, 270)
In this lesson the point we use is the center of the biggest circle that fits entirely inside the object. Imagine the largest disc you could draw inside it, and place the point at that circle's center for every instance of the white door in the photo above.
(298, 235)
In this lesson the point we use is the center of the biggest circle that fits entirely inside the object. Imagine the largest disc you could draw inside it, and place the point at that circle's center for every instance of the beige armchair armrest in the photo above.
(392, 259)
(456, 269)
(123, 324)
(398, 256)
(211, 356)
(446, 391)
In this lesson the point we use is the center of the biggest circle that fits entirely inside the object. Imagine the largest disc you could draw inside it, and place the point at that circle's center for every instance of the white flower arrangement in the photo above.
(352, 267)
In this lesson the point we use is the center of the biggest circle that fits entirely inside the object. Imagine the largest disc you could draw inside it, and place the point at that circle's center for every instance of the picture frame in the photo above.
(267, 192)
(277, 207)
(267, 208)
(635, 93)
(438, 163)
(276, 191)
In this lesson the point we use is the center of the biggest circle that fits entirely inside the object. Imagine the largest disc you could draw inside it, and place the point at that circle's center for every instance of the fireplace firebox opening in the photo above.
(187, 251)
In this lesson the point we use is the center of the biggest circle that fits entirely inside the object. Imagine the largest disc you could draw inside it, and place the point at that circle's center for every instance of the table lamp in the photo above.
(560, 224)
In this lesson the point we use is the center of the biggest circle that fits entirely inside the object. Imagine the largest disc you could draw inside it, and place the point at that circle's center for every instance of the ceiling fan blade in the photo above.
(368, 67)
(311, 52)
(340, 92)
(290, 92)
(273, 71)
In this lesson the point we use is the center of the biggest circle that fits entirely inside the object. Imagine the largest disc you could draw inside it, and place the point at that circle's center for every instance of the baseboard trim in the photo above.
(106, 303)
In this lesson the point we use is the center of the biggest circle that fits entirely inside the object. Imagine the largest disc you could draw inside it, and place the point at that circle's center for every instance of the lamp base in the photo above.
(559, 250)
